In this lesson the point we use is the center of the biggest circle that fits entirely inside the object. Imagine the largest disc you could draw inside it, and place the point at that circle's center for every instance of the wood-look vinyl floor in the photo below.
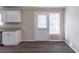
(38, 47)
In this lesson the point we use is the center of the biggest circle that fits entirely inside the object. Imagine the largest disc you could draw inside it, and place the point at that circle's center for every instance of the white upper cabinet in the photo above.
(3, 16)
(11, 16)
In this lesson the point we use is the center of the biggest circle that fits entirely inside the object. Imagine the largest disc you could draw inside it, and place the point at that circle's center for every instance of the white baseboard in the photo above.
(35, 40)
(74, 49)
(71, 46)
(27, 40)
(56, 40)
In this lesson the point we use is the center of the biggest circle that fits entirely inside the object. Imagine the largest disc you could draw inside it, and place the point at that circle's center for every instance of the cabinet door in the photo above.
(18, 36)
(8, 38)
(5, 38)
(3, 16)
(12, 39)
(13, 16)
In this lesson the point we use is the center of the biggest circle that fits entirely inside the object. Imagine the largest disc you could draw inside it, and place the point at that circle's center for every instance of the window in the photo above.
(1, 23)
(42, 21)
(54, 23)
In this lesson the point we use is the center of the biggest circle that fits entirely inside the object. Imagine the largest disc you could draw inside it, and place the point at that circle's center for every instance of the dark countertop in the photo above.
(9, 29)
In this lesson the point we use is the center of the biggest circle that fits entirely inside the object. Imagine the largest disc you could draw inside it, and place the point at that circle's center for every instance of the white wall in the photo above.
(28, 22)
(72, 27)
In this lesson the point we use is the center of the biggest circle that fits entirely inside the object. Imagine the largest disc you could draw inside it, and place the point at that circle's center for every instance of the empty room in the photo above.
(30, 29)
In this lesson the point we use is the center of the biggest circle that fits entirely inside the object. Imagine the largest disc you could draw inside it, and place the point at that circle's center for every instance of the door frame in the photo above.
(41, 13)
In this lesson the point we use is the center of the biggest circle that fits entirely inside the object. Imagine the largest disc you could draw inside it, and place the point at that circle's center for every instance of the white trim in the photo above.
(74, 49)
(56, 40)
(35, 40)
(27, 40)
(66, 42)
(71, 46)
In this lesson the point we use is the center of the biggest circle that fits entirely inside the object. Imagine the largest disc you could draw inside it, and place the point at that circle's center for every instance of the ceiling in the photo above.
(30, 7)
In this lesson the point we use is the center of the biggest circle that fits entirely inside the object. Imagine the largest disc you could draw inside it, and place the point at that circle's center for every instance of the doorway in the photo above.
(47, 26)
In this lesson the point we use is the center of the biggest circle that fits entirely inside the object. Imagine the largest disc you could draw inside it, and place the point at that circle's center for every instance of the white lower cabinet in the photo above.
(12, 38)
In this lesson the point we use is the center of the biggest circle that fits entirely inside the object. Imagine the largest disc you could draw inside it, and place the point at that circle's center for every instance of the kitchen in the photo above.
(10, 29)
(32, 29)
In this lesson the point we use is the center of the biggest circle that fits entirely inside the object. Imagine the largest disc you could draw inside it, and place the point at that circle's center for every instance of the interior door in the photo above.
(41, 27)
